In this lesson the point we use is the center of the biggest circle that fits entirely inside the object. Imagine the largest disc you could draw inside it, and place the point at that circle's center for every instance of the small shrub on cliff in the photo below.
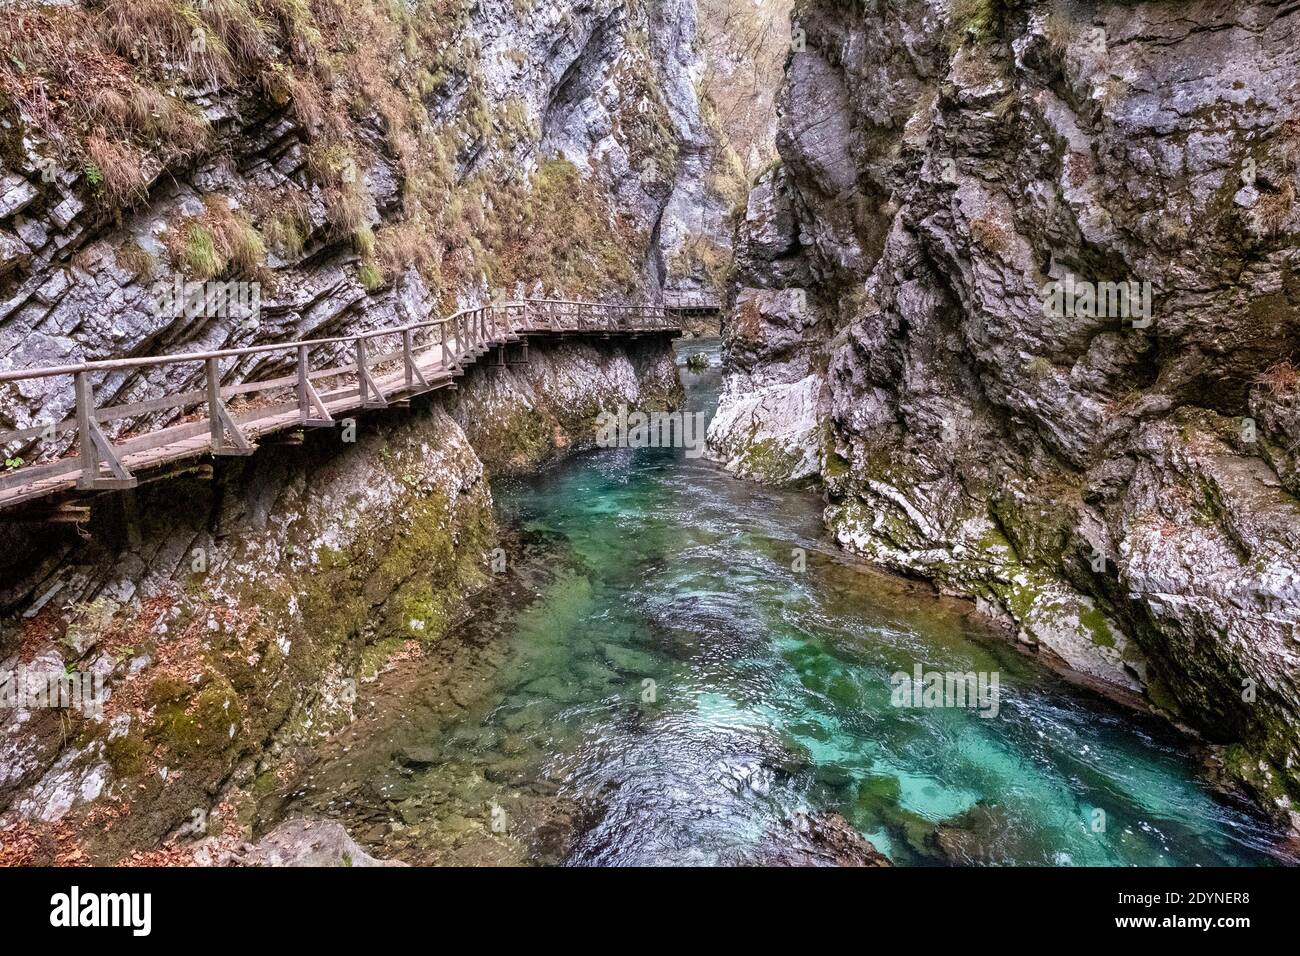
(237, 241)
(303, 36)
(975, 18)
(990, 235)
(156, 33)
(363, 240)
(132, 257)
(406, 244)
(370, 275)
(1059, 27)
(196, 255)
(220, 240)
(286, 222)
(342, 180)
(284, 86)
(369, 272)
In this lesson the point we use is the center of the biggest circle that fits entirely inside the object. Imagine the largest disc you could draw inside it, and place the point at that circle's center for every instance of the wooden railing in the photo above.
(692, 301)
(385, 366)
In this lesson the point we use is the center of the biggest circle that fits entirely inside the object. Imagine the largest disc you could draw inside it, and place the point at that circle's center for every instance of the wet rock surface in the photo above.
(305, 843)
(1116, 484)
(824, 839)
(233, 617)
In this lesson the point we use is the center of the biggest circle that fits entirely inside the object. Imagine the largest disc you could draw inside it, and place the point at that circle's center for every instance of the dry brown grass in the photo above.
(214, 42)
(134, 259)
(302, 36)
(990, 235)
(303, 94)
(153, 33)
(101, 80)
(114, 169)
(342, 179)
(53, 67)
(406, 244)
(1281, 379)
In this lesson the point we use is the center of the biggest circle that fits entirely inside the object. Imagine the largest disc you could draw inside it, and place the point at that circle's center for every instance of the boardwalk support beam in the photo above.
(219, 419)
(366, 382)
(413, 373)
(311, 407)
(94, 443)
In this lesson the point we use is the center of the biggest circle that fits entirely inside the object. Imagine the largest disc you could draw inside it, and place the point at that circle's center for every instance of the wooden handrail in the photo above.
(462, 336)
(14, 375)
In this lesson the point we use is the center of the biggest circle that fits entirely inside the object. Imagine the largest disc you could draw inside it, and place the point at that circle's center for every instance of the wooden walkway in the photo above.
(387, 368)
(694, 303)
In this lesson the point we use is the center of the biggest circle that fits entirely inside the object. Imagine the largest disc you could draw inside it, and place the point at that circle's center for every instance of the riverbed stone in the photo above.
(417, 755)
(817, 839)
(626, 660)
(302, 842)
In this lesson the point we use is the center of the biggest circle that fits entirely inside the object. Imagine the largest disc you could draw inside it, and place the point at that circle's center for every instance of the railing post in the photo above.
(304, 402)
(361, 369)
(409, 357)
(94, 443)
(219, 419)
(85, 412)
(214, 404)
(309, 400)
(413, 373)
(366, 386)
(442, 339)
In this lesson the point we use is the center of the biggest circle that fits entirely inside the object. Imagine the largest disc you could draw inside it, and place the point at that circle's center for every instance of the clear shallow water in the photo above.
(770, 695)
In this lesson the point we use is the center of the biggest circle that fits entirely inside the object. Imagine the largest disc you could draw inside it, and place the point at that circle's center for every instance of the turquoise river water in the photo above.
(658, 684)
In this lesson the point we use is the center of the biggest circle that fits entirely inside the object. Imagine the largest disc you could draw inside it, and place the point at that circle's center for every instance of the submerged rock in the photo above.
(821, 839)
(303, 842)
(414, 755)
(984, 834)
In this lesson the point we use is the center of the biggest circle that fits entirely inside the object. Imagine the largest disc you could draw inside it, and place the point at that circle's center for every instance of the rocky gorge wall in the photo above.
(364, 164)
(234, 617)
(367, 164)
(1118, 486)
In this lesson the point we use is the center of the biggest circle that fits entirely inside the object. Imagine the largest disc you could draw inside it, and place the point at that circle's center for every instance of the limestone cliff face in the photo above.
(1119, 486)
(365, 163)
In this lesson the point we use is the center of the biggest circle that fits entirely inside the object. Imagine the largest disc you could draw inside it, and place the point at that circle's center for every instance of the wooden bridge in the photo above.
(387, 368)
